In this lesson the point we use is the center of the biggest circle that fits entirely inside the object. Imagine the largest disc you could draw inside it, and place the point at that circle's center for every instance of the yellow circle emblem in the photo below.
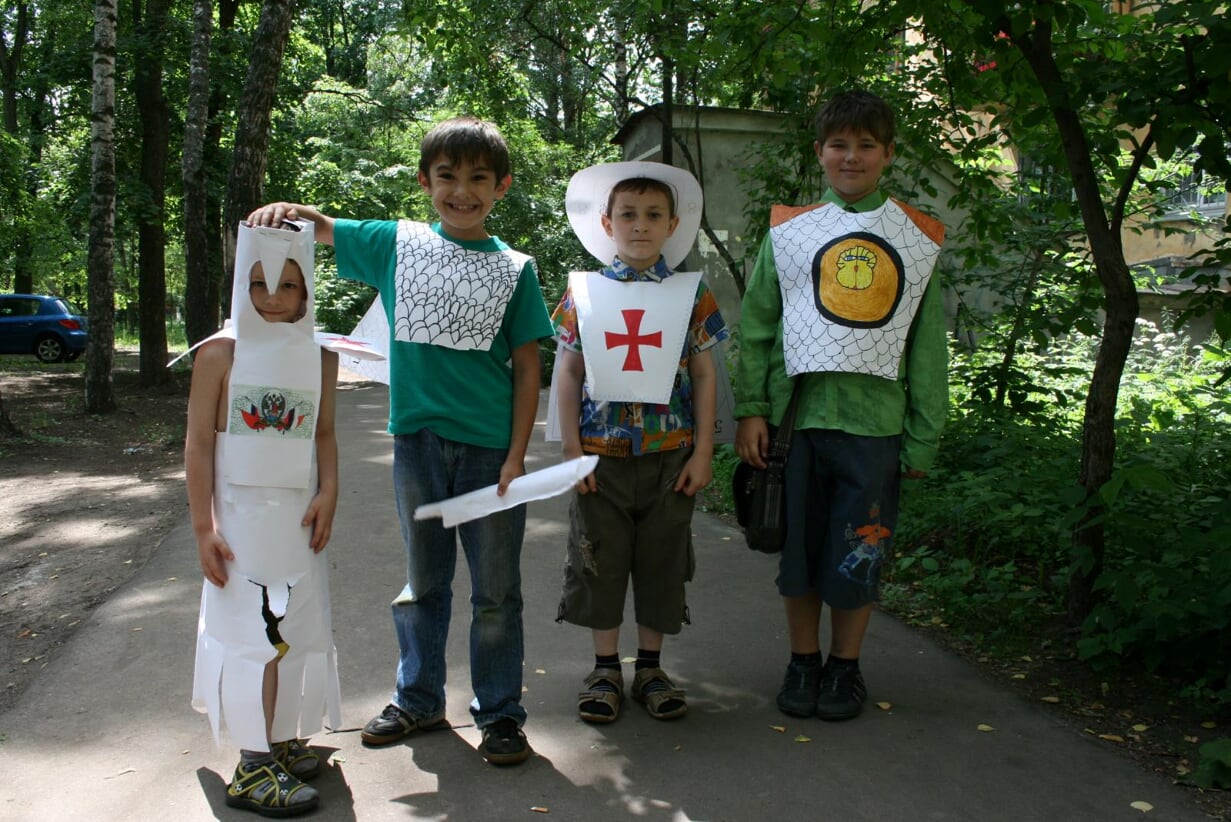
(858, 280)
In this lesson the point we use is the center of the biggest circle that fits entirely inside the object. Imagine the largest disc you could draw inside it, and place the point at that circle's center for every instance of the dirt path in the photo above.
(85, 500)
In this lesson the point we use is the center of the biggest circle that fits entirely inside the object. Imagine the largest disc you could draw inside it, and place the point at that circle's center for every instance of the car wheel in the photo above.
(49, 349)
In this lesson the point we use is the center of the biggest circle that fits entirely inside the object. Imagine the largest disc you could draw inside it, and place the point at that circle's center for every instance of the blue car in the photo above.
(43, 326)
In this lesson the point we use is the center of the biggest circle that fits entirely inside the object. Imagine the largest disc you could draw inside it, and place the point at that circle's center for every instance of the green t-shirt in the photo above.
(461, 395)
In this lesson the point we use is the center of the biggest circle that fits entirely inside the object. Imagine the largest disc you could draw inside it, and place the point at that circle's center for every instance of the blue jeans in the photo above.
(427, 468)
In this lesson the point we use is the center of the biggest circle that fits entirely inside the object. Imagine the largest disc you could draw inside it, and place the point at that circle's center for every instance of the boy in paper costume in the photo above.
(842, 300)
(465, 317)
(261, 463)
(635, 385)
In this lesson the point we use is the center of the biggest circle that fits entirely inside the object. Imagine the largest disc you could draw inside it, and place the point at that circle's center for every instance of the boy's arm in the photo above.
(927, 384)
(324, 505)
(699, 469)
(760, 313)
(570, 375)
(272, 214)
(526, 378)
(209, 370)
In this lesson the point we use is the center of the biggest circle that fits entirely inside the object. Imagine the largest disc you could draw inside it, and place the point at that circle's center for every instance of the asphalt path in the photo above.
(107, 733)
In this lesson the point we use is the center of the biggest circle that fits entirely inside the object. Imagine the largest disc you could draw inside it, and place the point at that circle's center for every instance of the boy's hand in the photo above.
(752, 441)
(586, 484)
(273, 214)
(214, 554)
(697, 473)
(511, 470)
(319, 517)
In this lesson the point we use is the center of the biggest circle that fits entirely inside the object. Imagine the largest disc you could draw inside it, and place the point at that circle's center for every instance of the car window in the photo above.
(17, 307)
(62, 305)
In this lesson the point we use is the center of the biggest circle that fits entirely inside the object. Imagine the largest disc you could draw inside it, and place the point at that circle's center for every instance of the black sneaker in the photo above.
(842, 693)
(504, 743)
(394, 724)
(800, 687)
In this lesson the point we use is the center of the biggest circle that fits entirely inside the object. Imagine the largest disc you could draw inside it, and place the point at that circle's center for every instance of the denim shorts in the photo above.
(634, 525)
(841, 511)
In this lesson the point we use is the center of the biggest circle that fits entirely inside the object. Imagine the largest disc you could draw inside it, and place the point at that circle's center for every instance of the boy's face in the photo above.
(640, 222)
(463, 194)
(287, 302)
(853, 162)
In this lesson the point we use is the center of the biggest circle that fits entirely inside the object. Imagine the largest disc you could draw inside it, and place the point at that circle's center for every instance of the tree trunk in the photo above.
(1098, 437)
(12, 44)
(198, 322)
(12, 49)
(151, 226)
(99, 390)
(214, 158)
(246, 182)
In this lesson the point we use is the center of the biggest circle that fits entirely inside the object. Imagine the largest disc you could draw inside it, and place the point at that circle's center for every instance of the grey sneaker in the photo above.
(800, 688)
(842, 693)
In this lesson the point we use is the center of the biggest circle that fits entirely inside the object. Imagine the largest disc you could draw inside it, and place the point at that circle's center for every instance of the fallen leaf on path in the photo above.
(1052, 699)
(802, 738)
(779, 728)
(1208, 725)
(1140, 728)
(539, 671)
(1193, 739)
(884, 706)
(984, 728)
(1144, 807)
(1111, 737)
(537, 809)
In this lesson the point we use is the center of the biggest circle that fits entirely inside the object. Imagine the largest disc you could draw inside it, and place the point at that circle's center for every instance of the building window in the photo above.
(1196, 193)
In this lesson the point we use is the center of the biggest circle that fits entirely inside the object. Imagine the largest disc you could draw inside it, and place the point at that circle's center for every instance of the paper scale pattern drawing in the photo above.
(852, 284)
(458, 299)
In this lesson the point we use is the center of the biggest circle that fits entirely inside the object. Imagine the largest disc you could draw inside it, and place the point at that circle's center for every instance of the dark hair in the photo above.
(640, 185)
(855, 110)
(465, 139)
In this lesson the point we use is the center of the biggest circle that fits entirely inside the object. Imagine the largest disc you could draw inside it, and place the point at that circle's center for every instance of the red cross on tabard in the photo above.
(633, 339)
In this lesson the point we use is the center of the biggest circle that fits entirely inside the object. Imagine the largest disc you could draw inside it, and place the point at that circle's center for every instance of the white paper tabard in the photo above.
(632, 334)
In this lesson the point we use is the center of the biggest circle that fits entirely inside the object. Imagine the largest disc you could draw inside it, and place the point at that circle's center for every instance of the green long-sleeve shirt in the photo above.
(914, 405)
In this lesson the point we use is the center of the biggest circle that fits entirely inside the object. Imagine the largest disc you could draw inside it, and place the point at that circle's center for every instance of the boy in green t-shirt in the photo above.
(463, 394)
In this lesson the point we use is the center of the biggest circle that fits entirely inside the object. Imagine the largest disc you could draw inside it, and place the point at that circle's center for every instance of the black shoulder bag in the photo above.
(760, 493)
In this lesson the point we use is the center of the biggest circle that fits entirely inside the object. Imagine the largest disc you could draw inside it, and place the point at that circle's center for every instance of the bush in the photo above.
(985, 543)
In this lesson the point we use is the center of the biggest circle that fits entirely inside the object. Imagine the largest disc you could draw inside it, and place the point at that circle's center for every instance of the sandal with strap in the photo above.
(600, 701)
(270, 790)
(654, 689)
(298, 758)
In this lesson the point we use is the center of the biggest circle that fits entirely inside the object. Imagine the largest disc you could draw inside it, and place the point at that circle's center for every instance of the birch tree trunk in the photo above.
(100, 351)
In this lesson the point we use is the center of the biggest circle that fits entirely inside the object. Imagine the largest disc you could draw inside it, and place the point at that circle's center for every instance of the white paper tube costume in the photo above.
(265, 477)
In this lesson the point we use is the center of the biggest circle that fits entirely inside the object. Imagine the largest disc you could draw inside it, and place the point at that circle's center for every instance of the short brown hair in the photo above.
(640, 185)
(465, 139)
(856, 110)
